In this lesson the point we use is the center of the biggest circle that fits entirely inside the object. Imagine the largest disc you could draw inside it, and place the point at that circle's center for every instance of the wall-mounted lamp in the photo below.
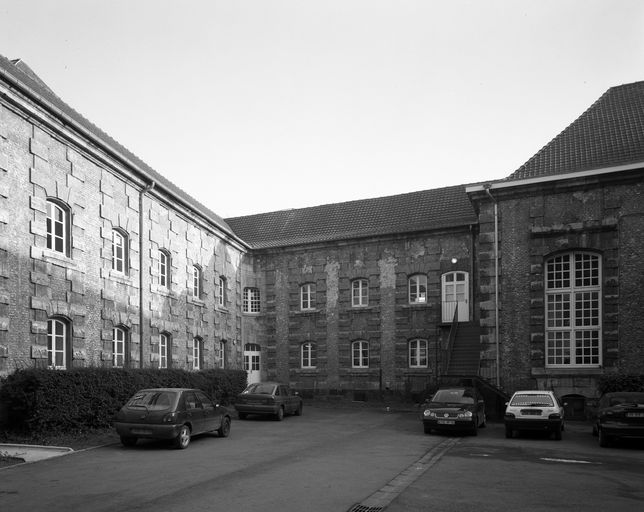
(454, 261)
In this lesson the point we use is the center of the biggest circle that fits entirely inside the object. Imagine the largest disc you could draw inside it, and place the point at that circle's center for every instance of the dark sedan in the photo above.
(170, 413)
(619, 414)
(268, 398)
(456, 410)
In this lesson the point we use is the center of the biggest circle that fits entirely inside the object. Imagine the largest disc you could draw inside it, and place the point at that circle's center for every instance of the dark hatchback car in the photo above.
(170, 413)
(619, 415)
(268, 398)
(456, 410)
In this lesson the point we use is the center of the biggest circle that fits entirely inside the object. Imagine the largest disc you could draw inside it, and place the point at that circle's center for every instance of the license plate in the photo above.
(445, 422)
(635, 414)
(141, 431)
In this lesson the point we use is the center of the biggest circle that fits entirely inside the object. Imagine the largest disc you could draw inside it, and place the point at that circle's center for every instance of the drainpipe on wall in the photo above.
(487, 187)
(144, 191)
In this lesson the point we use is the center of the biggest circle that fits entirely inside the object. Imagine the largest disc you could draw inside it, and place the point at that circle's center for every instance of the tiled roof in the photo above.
(404, 213)
(33, 85)
(610, 133)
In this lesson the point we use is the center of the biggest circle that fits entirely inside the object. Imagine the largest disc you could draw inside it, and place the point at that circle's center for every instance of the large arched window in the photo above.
(58, 227)
(308, 355)
(360, 354)
(418, 354)
(573, 309)
(119, 346)
(58, 345)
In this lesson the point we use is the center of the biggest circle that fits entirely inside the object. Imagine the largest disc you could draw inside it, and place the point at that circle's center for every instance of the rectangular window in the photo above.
(418, 354)
(196, 354)
(57, 344)
(360, 354)
(573, 310)
(163, 350)
(418, 289)
(309, 359)
(196, 282)
(164, 269)
(306, 297)
(221, 292)
(118, 347)
(359, 293)
(57, 228)
(220, 354)
(250, 301)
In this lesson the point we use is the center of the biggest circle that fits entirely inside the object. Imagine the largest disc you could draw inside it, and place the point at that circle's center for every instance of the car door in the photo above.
(211, 413)
(194, 412)
(289, 399)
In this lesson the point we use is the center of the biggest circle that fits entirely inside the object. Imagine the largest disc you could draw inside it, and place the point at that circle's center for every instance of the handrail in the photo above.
(450, 341)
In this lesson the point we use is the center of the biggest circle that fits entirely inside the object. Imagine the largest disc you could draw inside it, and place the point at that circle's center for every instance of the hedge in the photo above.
(41, 401)
(620, 382)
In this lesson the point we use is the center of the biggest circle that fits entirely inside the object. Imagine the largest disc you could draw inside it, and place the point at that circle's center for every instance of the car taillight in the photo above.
(509, 415)
(554, 416)
(169, 418)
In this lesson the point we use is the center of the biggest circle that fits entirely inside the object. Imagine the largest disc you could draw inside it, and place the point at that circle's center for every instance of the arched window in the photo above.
(197, 345)
(308, 355)
(196, 281)
(120, 256)
(119, 346)
(359, 293)
(220, 354)
(164, 269)
(573, 309)
(418, 289)
(58, 345)
(418, 354)
(360, 354)
(164, 350)
(250, 301)
(221, 291)
(58, 227)
(307, 296)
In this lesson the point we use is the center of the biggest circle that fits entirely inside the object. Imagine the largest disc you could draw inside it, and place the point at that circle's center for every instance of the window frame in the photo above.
(197, 353)
(221, 291)
(308, 355)
(251, 302)
(53, 336)
(165, 342)
(119, 346)
(124, 247)
(54, 206)
(307, 297)
(573, 314)
(196, 282)
(415, 285)
(415, 349)
(363, 293)
(360, 354)
(164, 265)
(220, 354)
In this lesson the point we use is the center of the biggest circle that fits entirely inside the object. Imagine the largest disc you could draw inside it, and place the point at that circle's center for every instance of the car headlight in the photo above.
(465, 414)
(429, 414)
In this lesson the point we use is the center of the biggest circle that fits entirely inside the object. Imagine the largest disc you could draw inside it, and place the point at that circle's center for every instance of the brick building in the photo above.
(531, 281)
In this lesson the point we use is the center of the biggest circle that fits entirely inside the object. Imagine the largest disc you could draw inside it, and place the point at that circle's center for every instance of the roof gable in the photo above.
(610, 133)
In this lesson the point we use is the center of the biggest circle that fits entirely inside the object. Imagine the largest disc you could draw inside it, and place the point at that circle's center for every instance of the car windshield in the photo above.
(260, 388)
(627, 399)
(153, 399)
(532, 400)
(453, 396)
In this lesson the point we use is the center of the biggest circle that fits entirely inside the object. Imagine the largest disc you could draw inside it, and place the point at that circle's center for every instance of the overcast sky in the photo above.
(253, 106)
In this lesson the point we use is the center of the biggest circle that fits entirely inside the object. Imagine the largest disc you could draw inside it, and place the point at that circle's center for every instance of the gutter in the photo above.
(487, 188)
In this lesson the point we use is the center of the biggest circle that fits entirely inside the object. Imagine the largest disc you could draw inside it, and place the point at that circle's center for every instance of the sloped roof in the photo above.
(610, 133)
(23, 76)
(404, 213)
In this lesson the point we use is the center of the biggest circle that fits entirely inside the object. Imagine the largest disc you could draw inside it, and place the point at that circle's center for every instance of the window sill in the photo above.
(121, 278)
(196, 301)
(58, 259)
(577, 370)
(306, 311)
(162, 290)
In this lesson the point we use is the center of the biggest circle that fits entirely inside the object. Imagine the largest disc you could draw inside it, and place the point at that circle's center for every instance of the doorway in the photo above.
(252, 353)
(455, 292)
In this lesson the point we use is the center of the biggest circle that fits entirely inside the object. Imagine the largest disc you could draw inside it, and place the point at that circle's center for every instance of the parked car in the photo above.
(272, 398)
(459, 409)
(170, 413)
(534, 411)
(619, 414)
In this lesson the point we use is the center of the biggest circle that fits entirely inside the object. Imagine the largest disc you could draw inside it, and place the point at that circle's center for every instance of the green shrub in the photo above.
(620, 382)
(39, 401)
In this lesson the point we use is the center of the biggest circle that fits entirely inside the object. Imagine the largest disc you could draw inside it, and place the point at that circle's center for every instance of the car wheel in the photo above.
(427, 429)
(298, 411)
(508, 433)
(558, 433)
(280, 414)
(604, 440)
(224, 430)
(242, 415)
(128, 441)
(183, 439)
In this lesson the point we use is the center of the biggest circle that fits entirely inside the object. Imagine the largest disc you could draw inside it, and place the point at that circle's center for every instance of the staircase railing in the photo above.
(447, 351)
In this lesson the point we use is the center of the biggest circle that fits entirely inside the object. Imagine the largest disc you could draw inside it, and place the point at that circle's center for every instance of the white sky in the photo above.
(253, 106)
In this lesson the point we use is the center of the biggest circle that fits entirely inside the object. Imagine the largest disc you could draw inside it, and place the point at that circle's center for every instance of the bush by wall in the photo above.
(39, 401)
(620, 382)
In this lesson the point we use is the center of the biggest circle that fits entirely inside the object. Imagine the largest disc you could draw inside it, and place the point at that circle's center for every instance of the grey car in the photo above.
(268, 398)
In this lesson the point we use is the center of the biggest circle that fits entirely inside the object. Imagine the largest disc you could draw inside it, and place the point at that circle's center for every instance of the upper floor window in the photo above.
(58, 346)
(307, 293)
(250, 302)
(359, 293)
(196, 281)
(164, 350)
(119, 344)
(119, 252)
(308, 353)
(164, 269)
(573, 309)
(197, 343)
(418, 289)
(418, 354)
(221, 291)
(58, 227)
(360, 354)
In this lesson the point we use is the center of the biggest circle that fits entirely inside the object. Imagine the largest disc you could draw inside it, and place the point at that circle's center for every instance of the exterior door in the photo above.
(455, 292)
(251, 362)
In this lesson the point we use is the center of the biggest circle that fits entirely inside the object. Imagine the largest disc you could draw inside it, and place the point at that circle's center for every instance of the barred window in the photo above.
(573, 309)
